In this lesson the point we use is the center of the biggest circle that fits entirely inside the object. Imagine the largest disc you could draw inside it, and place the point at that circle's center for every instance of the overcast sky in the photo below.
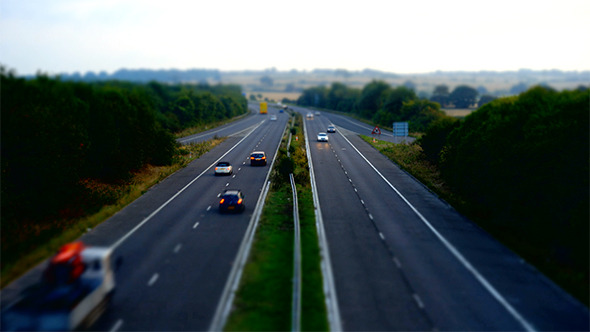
(66, 36)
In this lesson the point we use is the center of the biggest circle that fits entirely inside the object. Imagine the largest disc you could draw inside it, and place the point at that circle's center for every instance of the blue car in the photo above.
(232, 200)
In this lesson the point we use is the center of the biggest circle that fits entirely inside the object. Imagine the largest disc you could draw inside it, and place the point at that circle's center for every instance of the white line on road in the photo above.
(225, 303)
(122, 239)
(195, 226)
(153, 279)
(329, 286)
(483, 281)
(117, 326)
(419, 301)
(177, 248)
(192, 138)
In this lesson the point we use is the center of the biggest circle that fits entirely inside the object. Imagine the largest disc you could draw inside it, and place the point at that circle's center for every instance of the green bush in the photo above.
(522, 164)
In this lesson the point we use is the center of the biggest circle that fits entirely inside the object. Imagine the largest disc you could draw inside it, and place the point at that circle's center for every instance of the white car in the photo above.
(309, 116)
(331, 129)
(273, 118)
(322, 137)
(223, 168)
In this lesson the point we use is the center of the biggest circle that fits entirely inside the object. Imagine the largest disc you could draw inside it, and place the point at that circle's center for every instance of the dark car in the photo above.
(232, 201)
(331, 129)
(258, 158)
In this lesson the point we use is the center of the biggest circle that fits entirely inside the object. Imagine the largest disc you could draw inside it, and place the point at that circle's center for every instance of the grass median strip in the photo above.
(263, 300)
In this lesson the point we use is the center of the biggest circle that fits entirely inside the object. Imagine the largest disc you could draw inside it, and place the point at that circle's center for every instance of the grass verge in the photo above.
(263, 300)
(411, 159)
(34, 241)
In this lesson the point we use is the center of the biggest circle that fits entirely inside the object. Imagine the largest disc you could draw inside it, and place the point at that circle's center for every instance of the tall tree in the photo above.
(372, 98)
(463, 96)
(440, 95)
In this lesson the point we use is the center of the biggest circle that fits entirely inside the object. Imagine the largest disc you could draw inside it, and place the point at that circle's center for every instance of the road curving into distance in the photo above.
(403, 259)
(177, 249)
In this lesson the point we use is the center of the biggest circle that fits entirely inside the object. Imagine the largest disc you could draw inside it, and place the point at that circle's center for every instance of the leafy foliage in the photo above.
(522, 162)
(56, 135)
(377, 102)
(463, 96)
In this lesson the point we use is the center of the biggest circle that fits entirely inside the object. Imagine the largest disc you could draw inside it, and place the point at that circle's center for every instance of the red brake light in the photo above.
(222, 200)
(239, 201)
(263, 157)
(251, 157)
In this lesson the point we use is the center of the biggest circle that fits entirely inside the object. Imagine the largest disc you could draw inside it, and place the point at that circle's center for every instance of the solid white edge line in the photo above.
(117, 326)
(184, 140)
(233, 281)
(153, 279)
(326, 264)
(138, 226)
(483, 281)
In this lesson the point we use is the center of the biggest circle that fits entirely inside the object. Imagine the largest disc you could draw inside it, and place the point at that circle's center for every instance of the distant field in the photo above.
(460, 112)
(276, 96)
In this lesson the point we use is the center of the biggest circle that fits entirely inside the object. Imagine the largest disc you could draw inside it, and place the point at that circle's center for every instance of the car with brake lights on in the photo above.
(331, 129)
(258, 158)
(223, 168)
(232, 200)
(322, 137)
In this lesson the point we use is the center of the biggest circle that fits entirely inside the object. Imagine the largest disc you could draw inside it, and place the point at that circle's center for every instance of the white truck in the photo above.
(74, 290)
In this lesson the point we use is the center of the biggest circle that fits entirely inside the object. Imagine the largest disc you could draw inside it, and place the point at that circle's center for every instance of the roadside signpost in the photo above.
(376, 131)
(400, 129)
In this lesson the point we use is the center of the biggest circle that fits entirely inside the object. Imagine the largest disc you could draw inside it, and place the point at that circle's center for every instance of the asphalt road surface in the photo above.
(403, 259)
(177, 249)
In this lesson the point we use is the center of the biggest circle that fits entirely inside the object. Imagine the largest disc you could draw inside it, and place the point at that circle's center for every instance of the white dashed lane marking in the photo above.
(153, 279)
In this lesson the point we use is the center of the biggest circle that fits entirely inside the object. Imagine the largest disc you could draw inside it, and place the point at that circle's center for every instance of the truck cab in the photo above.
(74, 290)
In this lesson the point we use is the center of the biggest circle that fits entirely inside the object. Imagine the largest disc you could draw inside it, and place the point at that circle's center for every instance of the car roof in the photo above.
(258, 152)
(223, 163)
(322, 134)
(232, 192)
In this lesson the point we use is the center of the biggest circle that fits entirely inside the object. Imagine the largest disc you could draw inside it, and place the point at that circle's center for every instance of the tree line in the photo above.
(377, 101)
(521, 164)
(56, 134)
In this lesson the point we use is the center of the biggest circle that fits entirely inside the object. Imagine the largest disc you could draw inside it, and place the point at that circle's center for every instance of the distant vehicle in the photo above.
(273, 118)
(331, 129)
(309, 116)
(263, 107)
(75, 289)
(258, 158)
(322, 137)
(317, 113)
(224, 168)
(232, 201)
(281, 111)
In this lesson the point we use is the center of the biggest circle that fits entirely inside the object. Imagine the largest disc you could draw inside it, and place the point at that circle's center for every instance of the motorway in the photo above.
(401, 258)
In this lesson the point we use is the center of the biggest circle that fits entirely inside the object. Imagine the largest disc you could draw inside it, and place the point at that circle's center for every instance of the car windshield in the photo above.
(223, 164)
(257, 155)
